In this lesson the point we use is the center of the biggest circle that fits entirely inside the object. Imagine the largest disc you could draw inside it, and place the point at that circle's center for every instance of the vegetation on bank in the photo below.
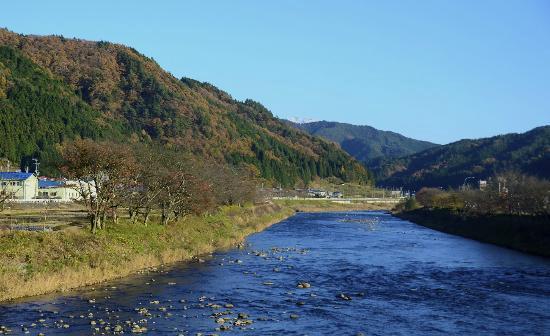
(513, 211)
(509, 193)
(112, 177)
(39, 262)
(330, 205)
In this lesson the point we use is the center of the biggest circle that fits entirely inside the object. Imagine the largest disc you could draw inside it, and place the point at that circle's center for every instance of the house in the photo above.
(18, 185)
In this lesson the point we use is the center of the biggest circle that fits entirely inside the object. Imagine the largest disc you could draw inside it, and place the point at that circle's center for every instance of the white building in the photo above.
(58, 190)
(19, 186)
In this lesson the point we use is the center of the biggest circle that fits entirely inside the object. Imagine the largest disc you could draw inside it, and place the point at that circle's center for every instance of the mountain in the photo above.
(449, 165)
(365, 143)
(53, 89)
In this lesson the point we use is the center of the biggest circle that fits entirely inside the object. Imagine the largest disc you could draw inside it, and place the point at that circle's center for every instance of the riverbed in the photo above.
(344, 273)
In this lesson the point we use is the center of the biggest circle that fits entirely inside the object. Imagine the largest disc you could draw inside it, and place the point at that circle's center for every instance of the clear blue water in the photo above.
(402, 279)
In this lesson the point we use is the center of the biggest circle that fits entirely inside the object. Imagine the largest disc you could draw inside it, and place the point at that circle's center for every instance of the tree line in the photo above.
(510, 193)
(146, 181)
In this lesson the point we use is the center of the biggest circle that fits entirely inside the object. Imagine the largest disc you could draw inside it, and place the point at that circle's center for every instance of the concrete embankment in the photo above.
(530, 234)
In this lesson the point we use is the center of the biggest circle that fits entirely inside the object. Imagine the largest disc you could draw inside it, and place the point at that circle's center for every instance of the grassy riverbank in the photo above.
(330, 205)
(33, 263)
(530, 234)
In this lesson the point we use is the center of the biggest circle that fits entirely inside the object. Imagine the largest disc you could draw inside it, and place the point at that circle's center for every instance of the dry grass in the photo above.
(329, 205)
(35, 263)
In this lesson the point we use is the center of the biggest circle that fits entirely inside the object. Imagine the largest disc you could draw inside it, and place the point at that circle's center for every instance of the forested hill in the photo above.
(53, 88)
(365, 143)
(449, 165)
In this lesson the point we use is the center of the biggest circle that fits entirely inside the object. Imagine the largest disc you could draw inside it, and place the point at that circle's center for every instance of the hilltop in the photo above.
(53, 89)
(449, 165)
(365, 143)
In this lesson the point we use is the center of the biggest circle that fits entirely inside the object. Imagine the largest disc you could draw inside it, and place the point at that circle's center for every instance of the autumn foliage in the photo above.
(146, 182)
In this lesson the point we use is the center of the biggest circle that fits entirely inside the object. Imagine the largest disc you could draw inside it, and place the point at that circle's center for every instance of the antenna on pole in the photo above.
(36, 165)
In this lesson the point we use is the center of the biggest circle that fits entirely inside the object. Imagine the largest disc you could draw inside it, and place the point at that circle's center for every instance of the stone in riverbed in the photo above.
(303, 285)
(224, 327)
(242, 322)
(344, 297)
(293, 316)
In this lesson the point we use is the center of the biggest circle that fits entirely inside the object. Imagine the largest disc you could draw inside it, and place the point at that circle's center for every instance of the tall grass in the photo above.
(34, 263)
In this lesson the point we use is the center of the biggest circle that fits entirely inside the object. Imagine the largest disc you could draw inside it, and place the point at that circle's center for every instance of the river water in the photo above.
(369, 274)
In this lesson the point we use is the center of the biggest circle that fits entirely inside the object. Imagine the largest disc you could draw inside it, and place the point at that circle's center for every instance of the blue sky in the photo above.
(433, 70)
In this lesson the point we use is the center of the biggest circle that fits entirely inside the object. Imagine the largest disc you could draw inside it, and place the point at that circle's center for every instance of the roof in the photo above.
(14, 176)
(43, 184)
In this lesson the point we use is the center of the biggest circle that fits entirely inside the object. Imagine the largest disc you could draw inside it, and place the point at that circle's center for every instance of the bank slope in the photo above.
(529, 234)
(136, 100)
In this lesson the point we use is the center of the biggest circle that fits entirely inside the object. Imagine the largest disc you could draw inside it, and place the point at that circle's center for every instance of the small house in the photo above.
(18, 185)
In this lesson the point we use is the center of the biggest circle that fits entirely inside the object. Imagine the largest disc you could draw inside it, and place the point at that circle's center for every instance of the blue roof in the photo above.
(14, 176)
(50, 184)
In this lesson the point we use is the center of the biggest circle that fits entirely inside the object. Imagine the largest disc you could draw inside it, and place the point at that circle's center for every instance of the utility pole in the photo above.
(36, 165)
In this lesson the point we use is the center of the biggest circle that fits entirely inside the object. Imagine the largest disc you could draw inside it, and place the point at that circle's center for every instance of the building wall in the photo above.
(30, 188)
(62, 193)
(21, 189)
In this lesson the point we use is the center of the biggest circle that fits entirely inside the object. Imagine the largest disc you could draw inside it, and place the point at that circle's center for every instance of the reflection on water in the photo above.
(367, 272)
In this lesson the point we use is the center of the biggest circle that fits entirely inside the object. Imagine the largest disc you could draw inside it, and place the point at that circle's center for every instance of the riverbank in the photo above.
(33, 263)
(301, 205)
(530, 234)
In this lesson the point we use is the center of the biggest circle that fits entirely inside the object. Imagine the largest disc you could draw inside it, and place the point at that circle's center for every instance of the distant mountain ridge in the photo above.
(365, 143)
(448, 165)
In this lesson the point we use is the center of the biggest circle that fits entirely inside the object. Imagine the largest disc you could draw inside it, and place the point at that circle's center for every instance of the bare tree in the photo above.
(105, 173)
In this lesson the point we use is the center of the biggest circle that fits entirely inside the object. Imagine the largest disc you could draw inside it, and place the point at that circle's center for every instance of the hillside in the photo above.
(449, 165)
(100, 89)
(365, 143)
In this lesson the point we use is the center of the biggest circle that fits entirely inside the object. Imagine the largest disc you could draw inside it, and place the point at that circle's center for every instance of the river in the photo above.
(368, 274)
